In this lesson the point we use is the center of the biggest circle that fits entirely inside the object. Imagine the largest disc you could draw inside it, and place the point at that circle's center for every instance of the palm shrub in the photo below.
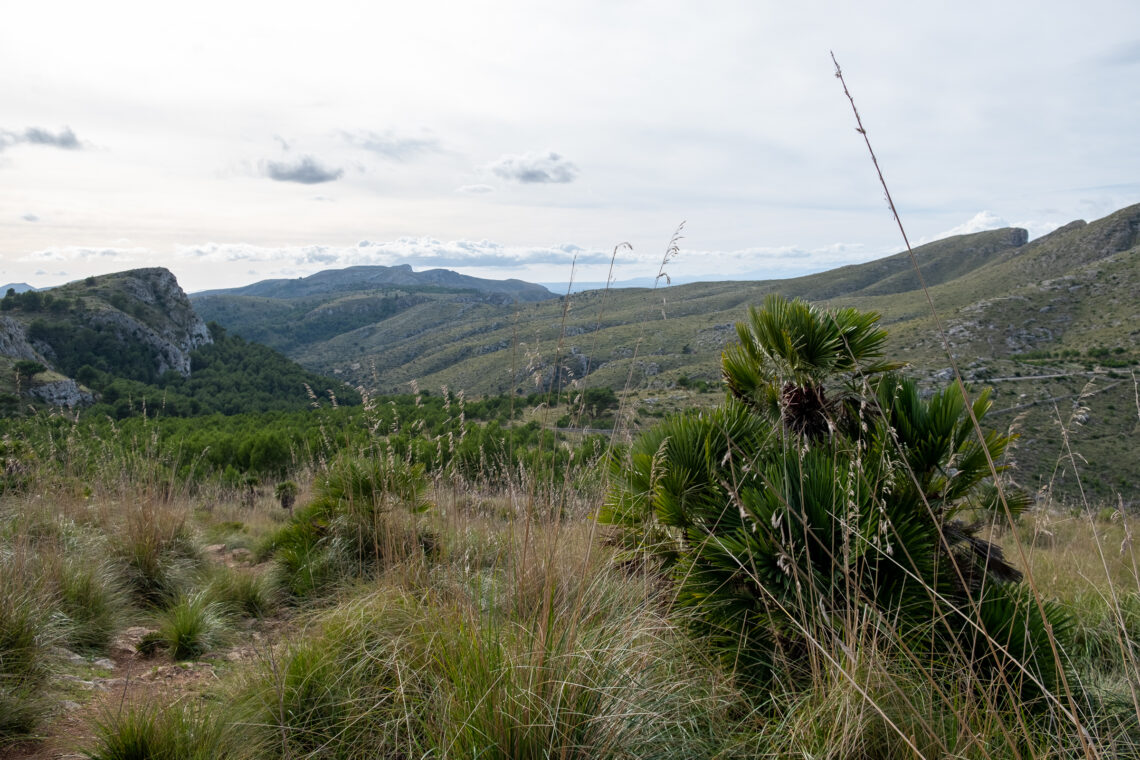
(826, 495)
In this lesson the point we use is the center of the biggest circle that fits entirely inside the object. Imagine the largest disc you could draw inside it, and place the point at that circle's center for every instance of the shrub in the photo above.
(826, 494)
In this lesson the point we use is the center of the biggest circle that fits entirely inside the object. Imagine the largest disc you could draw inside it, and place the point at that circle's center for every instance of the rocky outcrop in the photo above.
(178, 330)
(14, 341)
(62, 393)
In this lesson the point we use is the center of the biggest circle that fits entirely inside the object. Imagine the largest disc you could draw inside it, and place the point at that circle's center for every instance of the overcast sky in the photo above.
(237, 141)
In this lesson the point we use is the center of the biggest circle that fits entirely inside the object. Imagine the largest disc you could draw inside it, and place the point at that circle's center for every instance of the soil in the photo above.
(92, 690)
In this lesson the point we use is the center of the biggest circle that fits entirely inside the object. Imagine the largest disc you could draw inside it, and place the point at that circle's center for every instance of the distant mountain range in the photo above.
(19, 287)
(371, 278)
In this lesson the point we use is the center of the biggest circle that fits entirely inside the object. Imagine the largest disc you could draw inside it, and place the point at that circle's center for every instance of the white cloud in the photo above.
(979, 222)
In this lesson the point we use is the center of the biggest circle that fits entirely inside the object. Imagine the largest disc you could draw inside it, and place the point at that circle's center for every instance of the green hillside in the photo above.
(122, 343)
(1046, 322)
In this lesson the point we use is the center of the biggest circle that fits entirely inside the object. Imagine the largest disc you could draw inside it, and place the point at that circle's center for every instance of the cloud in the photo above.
(979, 222)
(306, 171)
(64, 139)
(530, 168)
(1125, 54)
(119, 255)
(419, 252)
(391, 146)
(475, 189)
(30, 218)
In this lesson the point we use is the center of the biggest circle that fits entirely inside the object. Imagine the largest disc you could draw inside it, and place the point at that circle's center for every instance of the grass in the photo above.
(498, 622)
(27, 632)
(177, 732)
(192, 626)
(94, 600)
(517, 635)
(549, 654)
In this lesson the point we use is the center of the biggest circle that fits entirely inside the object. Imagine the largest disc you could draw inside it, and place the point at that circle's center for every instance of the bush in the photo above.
(825, 495)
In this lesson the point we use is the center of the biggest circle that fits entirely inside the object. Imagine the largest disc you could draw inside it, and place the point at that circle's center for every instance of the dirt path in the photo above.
(91, 690)
(88, 690)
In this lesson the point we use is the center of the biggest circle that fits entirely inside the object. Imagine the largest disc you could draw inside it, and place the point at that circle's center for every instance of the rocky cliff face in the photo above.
(135, 320)
(14, 340)
(173, 336)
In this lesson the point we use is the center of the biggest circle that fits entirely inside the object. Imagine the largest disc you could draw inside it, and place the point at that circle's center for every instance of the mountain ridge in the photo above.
(362, 277)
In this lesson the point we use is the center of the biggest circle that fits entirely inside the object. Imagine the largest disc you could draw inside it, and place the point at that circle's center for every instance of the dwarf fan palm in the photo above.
(826, 492)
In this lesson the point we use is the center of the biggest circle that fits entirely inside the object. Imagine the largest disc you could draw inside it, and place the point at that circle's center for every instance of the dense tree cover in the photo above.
(99, 347)
(229, 376)
(35, 301)
(479, 440)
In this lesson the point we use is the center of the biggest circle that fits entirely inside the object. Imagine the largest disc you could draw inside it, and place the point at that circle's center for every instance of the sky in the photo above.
(238, 141)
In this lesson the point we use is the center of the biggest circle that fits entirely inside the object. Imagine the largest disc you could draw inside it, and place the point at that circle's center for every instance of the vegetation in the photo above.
(1005, 301)
(830, 560)
(228, 376)
(826, 496)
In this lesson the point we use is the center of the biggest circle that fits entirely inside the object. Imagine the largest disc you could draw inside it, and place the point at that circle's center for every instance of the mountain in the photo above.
(138, 325)
(371, 278)
(293, 315)
(1052, 324)
(18, 287)
(118, 339)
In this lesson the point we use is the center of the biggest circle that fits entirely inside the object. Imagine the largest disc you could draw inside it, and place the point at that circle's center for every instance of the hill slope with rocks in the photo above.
(1052, 324)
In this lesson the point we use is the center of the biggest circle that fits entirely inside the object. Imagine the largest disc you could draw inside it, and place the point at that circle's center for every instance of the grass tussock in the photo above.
(28, 630)
(176, 732)
(157, 551)
(192, 626)
(578, 665)
(94, 600)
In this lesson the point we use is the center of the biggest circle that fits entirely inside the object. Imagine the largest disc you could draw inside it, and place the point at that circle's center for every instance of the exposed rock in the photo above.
(66, 393)
(174, 337)
(14, 341)
(127, 642)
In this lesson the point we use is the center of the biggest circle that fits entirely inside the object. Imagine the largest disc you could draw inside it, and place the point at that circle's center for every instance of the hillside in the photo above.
(292, 315)
(119, 340)
(1039, 320)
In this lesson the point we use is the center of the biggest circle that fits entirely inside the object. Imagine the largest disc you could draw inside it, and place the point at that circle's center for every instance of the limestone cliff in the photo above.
(137, 324)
